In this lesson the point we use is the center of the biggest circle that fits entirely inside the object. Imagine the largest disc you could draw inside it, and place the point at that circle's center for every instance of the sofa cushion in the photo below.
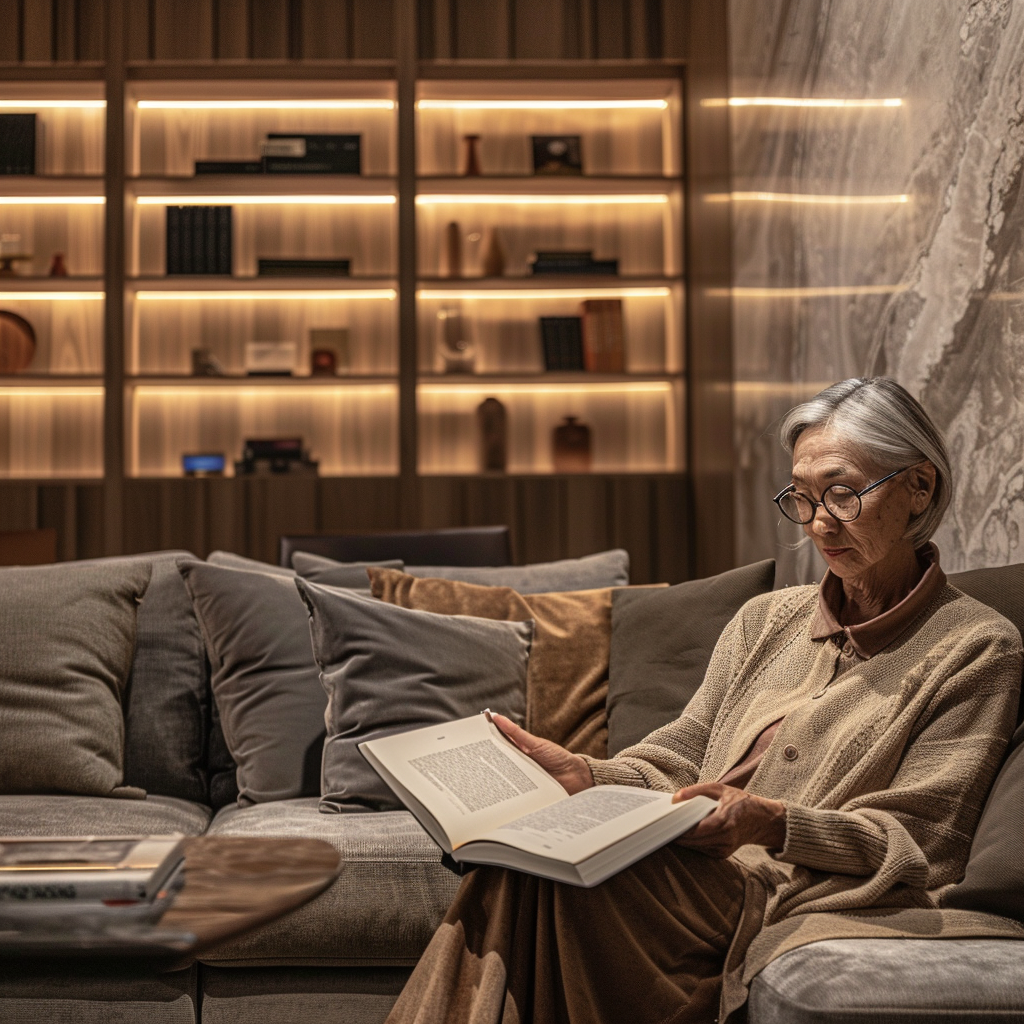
(229, 560)
(350, 575)
(265, 681)
(661, 645)
(388, 670)
(889, 981)
(567, 681)
(383, 908)
(591, 572)
(97, 816)
(61, 700)
(167, 706)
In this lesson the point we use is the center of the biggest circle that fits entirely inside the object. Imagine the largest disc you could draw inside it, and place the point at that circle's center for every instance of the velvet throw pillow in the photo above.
(67, 635)
(265, 681)
(388, 670)
(661, 644)
(567, 681)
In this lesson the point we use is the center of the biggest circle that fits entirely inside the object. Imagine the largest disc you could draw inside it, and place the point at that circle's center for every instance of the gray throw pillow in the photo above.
(661, 645)
(265, 681)
(229, 560)
(350, 575)
(68, 635)
(994, 880)
(388, 669)
(592, 572)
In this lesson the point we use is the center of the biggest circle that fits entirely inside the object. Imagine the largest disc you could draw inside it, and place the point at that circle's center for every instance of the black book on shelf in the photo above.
(229, 167)
(199, 240)
(173, 240)
(188, 250)
(562, 338)
(17, 143)
(582, 262)
(225, 262)
(285, 153)
(273, 267)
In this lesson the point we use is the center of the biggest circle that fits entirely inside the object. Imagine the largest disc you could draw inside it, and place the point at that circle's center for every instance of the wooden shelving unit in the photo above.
(395, 436)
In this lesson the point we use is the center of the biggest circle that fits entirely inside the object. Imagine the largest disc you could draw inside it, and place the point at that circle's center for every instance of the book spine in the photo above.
(187, 245)
(173, 240)
(199, 265)
(224, 254)
(78, 889)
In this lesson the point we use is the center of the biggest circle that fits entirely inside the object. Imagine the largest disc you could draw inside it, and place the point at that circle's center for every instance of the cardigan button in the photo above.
(790, 753)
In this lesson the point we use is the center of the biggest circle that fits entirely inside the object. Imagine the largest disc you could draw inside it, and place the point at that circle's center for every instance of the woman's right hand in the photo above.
(569, 770)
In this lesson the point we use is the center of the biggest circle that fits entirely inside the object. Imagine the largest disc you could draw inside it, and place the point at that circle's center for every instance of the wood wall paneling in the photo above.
(37, 30)
(538, 29)
(373, 28)
(182, 29)
(74, 510)
(481, 30)
(269, 29)
(326, 29)
(232, 30)
(11, 31)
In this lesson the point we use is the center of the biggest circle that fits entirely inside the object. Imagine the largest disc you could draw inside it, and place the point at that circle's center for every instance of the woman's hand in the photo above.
(570, 770)
(739, 819)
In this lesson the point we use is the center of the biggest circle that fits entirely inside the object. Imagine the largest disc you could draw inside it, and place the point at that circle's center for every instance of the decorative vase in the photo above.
(472, 165)
(58, 268)
(492, 421)
(494, 256)
(570, 446)
(454, 341)
(453, 246)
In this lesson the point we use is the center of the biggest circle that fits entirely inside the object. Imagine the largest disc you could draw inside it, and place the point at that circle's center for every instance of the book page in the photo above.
(585, 823)
(467, 774)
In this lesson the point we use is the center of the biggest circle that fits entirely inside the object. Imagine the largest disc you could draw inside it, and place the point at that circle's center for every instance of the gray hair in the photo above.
(890, 426)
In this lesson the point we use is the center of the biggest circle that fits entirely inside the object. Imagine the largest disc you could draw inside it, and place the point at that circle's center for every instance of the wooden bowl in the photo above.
(17, 342)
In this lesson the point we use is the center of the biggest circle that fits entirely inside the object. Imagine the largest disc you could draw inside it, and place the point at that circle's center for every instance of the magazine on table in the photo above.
(484, 801)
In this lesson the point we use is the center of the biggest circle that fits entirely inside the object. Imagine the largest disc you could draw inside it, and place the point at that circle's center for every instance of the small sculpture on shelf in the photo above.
(492, 421)
(472, 162)
(453, 248)
(557, 154)
(328, 348)
(493, 263)
(206, 364)
(457, 348)
(11, 251)
(570, 446)
(17, 342)
(58, 268)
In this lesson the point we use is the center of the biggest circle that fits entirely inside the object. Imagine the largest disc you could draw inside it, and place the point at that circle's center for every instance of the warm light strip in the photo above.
(808, 198)
(30, 392)
(545, 293)
(625, 198)
(266, 104)
(542, 104)
(804, 103)
(52, 200)
(827, 291)
(261, 391)
(645, 387)
(265, 200)
(269, 293)
(51, 296)
(52, 104)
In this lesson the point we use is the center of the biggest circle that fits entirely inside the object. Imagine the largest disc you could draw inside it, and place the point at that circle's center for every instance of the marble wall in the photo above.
(914, 268)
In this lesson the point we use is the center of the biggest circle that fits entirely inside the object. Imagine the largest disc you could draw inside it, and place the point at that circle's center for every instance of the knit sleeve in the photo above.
(918, 831)
(671, 757)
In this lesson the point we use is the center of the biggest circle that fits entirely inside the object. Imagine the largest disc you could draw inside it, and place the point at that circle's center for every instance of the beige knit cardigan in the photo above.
(883, 764)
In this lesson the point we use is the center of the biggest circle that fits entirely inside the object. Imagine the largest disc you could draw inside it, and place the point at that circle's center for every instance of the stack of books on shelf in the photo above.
(295, 153)
(17, 143)
(199, 240)
(581, 262)
(593, 341)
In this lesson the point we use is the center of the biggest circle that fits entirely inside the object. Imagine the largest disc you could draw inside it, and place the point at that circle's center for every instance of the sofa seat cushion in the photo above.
(98, 816)
(856, 981)
(385, 905)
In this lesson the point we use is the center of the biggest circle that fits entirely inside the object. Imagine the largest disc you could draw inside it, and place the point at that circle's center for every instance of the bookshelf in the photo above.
(395, 435)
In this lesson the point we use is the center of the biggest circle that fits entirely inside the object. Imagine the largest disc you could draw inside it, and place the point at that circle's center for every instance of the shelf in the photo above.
(228, 70)
(197, 287)
(550, 188)
(550, 379)
(260, 189)
(548, 286)
(46, 189)
(36, 289)
(50, 380)
(239, 381)
(569, 70)
(79, 71)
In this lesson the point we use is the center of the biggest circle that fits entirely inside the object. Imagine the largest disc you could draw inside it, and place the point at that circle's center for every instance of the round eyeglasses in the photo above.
(838, 500)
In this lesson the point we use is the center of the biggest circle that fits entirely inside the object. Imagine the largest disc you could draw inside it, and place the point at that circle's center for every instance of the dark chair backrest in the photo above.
(474, 545)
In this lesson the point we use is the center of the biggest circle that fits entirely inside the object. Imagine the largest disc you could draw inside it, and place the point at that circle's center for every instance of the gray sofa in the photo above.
(345, 956)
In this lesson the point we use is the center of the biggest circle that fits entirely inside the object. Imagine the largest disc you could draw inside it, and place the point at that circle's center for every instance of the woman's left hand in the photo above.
(739, 819)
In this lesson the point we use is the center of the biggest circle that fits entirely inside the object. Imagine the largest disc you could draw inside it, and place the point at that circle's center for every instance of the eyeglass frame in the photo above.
(815, 505)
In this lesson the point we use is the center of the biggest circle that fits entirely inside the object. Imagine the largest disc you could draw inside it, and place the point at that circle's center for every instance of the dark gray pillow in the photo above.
(661, 645)
(67, 636)
(350, 575)
(265, 681)
(592, 572)
(229, 560)
(167, 707)
(388, 669)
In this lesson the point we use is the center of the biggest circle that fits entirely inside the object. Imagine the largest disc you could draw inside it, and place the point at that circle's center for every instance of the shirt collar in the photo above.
(868, 638)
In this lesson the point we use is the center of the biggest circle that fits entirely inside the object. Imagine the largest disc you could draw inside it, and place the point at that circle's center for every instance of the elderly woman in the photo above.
(849, 731)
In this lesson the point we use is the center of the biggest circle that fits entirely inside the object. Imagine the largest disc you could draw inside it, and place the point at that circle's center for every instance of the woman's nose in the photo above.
(823, 523)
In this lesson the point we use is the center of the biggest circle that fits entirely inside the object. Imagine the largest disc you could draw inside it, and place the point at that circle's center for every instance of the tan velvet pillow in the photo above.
(567, 678)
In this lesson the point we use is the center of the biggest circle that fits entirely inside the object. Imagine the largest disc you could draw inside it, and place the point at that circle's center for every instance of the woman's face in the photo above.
(876, 537)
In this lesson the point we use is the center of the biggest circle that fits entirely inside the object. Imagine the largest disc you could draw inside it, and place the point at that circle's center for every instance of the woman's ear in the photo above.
(922, 484)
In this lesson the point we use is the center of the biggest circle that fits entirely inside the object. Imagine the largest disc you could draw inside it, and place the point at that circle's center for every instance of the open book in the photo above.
(485, 802)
